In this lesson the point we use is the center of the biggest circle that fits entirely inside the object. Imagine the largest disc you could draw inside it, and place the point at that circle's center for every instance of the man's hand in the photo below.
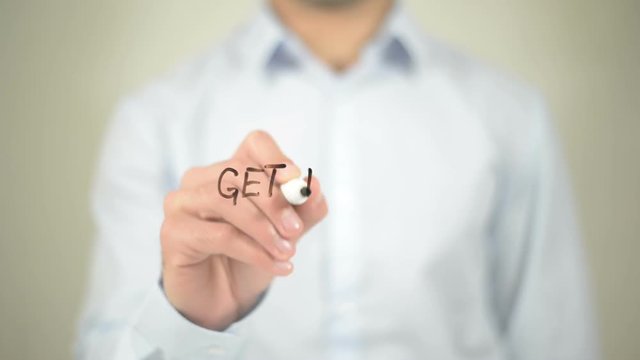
(217, 257)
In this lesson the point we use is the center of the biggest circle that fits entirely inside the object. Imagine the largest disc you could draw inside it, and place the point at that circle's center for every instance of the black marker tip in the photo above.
(305, 191)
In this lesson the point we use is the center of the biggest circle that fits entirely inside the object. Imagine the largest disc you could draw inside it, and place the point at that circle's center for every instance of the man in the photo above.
(450, 233)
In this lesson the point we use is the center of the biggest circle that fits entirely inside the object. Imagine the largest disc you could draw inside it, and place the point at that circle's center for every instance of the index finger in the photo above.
(261, 149)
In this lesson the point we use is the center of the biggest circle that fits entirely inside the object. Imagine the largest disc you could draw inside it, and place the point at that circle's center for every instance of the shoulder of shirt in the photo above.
(183, 86)
(476, 79)
(509, 107)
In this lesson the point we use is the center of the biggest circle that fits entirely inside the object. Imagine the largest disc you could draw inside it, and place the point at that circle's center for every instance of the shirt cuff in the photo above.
(164, 329)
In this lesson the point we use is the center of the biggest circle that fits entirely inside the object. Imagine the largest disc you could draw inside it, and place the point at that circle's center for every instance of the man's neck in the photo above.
(335, 34)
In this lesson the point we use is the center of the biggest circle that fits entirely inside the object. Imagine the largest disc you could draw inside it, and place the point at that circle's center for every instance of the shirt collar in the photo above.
(273, 47)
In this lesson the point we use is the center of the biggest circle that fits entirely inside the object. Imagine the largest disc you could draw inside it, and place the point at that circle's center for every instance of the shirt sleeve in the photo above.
(126, 315)
(543, 297)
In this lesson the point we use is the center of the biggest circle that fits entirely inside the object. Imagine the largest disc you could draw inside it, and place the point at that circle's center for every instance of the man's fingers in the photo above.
(194, 240)
(276, 208)
(205, 202)
(260, 148)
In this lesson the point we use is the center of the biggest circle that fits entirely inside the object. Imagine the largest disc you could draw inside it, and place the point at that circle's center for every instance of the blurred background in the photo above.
(65, 63)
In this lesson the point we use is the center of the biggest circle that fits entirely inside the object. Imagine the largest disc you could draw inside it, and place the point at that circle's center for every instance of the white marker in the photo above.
(297, 191)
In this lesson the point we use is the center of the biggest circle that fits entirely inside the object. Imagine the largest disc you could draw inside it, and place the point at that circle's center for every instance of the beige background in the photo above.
(64, 63)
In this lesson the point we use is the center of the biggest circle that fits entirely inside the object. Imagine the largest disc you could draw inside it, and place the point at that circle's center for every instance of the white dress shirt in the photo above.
(450, 234)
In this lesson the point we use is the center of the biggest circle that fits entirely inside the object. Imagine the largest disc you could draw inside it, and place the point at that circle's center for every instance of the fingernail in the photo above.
(282, 266)
(284, 246)
(291, 221)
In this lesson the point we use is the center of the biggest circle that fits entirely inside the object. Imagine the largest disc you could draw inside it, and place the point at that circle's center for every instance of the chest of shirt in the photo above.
(407, 171)
(398, 161)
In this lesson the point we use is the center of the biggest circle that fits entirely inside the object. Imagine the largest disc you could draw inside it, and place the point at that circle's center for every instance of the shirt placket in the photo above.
(343, 246)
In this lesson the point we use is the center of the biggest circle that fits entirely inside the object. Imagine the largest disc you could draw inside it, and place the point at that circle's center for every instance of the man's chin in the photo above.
(329, 4)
